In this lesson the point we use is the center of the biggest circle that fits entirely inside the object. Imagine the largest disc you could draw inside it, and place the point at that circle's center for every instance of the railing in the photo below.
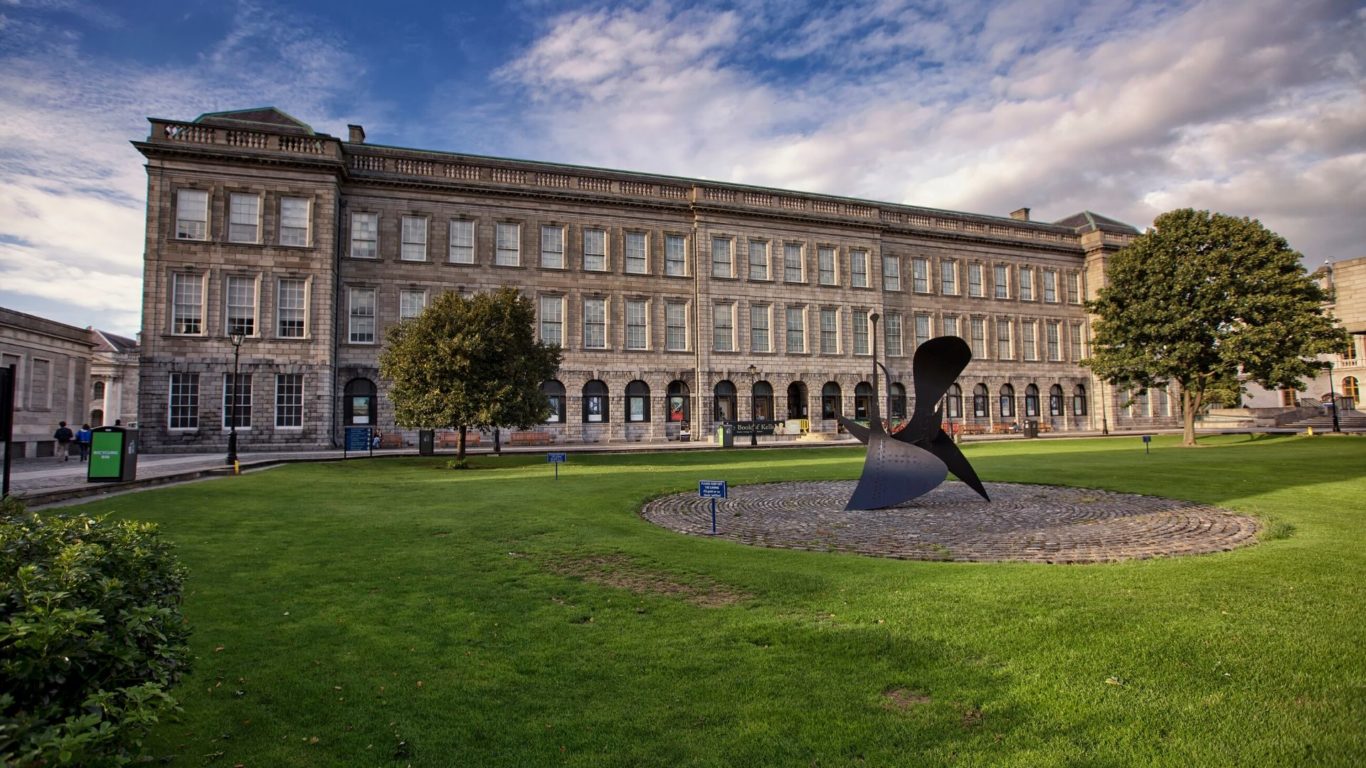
(195, 133)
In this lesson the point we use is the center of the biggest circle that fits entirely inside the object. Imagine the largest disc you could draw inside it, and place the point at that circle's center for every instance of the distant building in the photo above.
(677, 301)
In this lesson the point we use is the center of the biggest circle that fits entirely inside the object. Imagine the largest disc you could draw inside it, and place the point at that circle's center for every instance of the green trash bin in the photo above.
(113, 455)
(725, 436)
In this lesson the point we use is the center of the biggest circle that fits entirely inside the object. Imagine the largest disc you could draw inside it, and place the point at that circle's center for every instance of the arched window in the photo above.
(1031, 402)
(953, 402)
(796, 400)
(761, 404)
(1079, 401)
(724, 397)
(554, 395)
(99, 390)
(1055, 400)
(637, 401)
(678, 407)
(1007, 401)
(830, 400)
(595, 402)
(97, 417)
(981, 402)
(358, 407)
(896, 401)
(1350, 390)
(863, 400)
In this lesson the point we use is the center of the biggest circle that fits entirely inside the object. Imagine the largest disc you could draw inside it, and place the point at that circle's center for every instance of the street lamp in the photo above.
(236, 339)
(1104, 423)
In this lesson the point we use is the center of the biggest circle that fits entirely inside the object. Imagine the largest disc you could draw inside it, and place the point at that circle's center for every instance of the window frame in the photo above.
(762, 312)
(357, 234)
(799, 261)
(233, 223)
(764, 271)
(188, 387)
(723, 268)
(552, 257)
(643, 325)
(888, 334)
(639, 264)
(306, 240)
(353, 319)
(190, 278)
(461, 227)
(507, 245)
(670, 326)
(595, 309)
(182, 207)
(977, 286)
(253, 283)
(280, 307)
(827, 272)
(718, 327)
(236, 407)
(544, 320)
(833, 331)
(285, 404)
(948, 277)
(598, 236)
(410, 248)
(891, 273)
(858, 268)
(920, 275)
(1000, 282)
(403, 292)
(675, 260)
(800, 329)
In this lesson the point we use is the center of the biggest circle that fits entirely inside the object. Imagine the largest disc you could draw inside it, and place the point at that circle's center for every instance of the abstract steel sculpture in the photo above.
(920, 455)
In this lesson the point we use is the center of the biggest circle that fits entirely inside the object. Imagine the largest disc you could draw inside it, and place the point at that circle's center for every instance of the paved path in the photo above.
(1033, 523)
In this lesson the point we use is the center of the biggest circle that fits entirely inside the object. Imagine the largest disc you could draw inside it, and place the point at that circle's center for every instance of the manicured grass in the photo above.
(393, 612)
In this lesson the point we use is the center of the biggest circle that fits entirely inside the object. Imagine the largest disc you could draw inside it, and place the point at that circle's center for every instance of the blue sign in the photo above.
(712, 489)
(357, 438)
(555, 458)
(1147, 438)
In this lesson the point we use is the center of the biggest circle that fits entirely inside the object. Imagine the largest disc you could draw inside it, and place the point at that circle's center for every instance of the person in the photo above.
(63, 437)
(83, 441)
(375, 438)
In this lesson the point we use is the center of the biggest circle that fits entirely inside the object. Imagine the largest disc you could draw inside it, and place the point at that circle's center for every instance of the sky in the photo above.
(1127, 108)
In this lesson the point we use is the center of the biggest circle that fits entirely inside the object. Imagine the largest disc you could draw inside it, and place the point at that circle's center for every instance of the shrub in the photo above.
(91, 637)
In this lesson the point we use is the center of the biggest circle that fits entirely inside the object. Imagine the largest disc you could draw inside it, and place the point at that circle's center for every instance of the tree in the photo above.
(1201, 298)
(469, 363)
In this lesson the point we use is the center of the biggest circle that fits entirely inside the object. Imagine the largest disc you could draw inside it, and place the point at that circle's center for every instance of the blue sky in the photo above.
(1125, 107)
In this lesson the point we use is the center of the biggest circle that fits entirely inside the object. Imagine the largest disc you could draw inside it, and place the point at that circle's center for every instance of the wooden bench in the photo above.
(529, 438)
(391, 440)
(452, 439)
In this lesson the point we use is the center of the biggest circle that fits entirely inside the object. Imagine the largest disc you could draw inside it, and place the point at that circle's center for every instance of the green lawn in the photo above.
(393, 612)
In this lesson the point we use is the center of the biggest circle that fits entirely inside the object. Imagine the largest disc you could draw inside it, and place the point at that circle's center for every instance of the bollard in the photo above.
(1309, 431)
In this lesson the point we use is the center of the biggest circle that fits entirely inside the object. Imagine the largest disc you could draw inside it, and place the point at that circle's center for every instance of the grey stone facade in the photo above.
(422, 204)
(52, 367)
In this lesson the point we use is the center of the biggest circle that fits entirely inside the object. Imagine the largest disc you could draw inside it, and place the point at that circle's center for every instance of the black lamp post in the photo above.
(753, 421)
(1333, 398)
(1104, 423)
(236, 339)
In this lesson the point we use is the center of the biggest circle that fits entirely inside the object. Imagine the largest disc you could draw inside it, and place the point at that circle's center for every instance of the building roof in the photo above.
(257, 117)
(33, 323)
(114, 342)
(1086, 221)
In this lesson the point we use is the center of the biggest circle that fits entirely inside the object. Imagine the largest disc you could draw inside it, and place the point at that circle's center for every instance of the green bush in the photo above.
(91, 637)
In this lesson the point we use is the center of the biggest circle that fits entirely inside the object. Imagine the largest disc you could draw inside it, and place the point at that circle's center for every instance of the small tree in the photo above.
(1200, 299)
(469, 363)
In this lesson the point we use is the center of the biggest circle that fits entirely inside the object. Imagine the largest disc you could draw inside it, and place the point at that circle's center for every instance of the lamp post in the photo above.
(1333, 398)
(753, 421)
(236, 339)
(1104, 423)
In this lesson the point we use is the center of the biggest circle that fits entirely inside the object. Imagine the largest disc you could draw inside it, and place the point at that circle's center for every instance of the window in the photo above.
(1026, 283)
(414, 241)
(1073, 287)
(358, 402)
(1054, 353)
(362, 314)
(289, 400)
(896, 401)
(637, 253)
(98, 391)
(721, 262)
(1004, 349)
(294, 221)
(953, 402)
(1350, 389)
(552, 247)
(595, 323)
(411, 302)
(863, 400)
(1349, 353)
(920, 275)
(724, 401)
(552, 320)
(554, 397)
(462, 241)
(948, 277)
(794, 266)
(979, 338)
(595, 250)
(237, 401)
(595, 402)
(796, 400)
(291, 308)
(192, 214)
(858, 269)
(637, 331)
(676, 326)
(241, 305)
(1050, 286)
(761, 401)
(1055, 400)
(760, 330)
(975, 279)
(675, 255)
(893, 334)
(1074, 339)
(860, 322)
(723, 327)
(1031, 402)
(187, 304)
(637, 401)
(508, 252)
(1079, 401)
(830, 400)
(678, 401)
(1029, 347)
(1001, 284)
(364, 235)
(830, 333)
(183, 401)
(758, 260)
(981, 402)
(244, 218)
(827, 266)
(922, 329)
(951, 326)
(891, 273)
(796, 329)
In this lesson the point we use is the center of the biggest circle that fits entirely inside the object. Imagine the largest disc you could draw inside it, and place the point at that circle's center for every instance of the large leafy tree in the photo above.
(1201, 298)
(469, 363)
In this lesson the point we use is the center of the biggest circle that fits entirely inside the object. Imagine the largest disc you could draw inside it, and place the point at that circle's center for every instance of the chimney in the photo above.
(357, 136)
(1019, 214)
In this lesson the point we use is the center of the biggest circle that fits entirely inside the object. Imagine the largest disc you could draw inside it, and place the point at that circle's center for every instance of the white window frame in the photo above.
(357, 316)
(674, 332)
(295, 228)
(551, 322)
(1005, 346)
(827, 269)
(830, 329)
(187, 279)
(978, 329)
(552, 246)
(1000, 281)
(635, 252)
(892, 335)
(405, 306)
(508, 244)
(1029, 340)
(231, 303)
(281, 308)
(724, 247)
(240, 218)
(460, 241)
(1053, 340)
(364, 235)
(794, 253)
(948, 277)
(412, 238)
(595, 317)
(595, 247)
(977, 280)
(891, 273)
(920, 275)
(761, 328)
(861, 328)
(637, 316)
(926, 333)
(191, 217)
(858, 268)
(799, 314)
(675, 255)
(1050, 286)
(1025, 284)
(723, 333)
(759, 270)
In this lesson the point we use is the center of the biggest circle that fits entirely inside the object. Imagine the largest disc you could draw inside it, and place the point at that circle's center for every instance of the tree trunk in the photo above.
(1188, 406)
(460, 452)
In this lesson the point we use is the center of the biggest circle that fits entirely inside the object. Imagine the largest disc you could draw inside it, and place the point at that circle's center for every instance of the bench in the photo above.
(391, 440)
(529, 438)
(452, 439)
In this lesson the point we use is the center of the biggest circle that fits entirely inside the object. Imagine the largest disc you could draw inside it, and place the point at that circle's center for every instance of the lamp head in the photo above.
(237, 338)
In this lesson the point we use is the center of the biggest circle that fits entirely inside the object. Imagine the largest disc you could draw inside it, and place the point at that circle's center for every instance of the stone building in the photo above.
(51, 361)
(677, 301)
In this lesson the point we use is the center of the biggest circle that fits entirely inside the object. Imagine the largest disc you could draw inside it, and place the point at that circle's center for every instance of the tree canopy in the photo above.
(469, 363)
(1202, 298)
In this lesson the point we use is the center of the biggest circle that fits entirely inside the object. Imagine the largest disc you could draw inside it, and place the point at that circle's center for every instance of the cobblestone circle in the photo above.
(1034, 523)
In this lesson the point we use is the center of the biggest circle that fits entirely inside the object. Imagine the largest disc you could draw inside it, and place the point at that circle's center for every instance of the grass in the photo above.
(393, 612)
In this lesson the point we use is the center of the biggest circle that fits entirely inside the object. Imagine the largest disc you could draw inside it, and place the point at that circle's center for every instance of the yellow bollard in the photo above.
(1309, 431)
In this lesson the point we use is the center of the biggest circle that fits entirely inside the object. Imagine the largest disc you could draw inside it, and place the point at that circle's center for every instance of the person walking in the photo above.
(83, 441)
(63, 437)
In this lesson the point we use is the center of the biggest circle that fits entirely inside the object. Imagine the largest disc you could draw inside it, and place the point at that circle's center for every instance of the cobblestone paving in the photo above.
(1034, 523)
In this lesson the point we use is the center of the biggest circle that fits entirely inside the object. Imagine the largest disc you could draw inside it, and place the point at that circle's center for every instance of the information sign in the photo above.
(748, 428)
(358, 439)
(712, 489)
(555, 458)
(106, 456)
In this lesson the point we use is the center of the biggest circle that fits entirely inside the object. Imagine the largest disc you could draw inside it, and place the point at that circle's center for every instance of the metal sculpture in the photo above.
(916, 459)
